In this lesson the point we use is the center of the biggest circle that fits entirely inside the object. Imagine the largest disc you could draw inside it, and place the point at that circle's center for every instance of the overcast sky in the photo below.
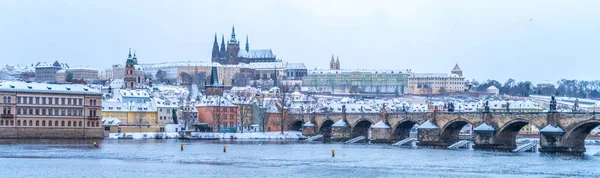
(541, 40)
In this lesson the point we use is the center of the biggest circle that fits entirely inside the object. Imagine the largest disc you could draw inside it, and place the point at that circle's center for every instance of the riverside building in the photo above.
(39, 110)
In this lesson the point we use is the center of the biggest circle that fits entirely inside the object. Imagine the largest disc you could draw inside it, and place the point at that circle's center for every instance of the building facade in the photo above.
(435, 83)
(50, 111)
(357, 81)
(46, 72)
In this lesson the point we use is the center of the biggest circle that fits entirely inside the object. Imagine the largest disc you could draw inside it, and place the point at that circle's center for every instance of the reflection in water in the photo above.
(276, 158)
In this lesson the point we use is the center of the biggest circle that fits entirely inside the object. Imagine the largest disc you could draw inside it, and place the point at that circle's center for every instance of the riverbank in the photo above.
(175, 135)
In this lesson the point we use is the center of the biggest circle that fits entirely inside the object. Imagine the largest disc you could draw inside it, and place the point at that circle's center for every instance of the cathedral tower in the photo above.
(332, 63)
(215, 50)
(233, 47)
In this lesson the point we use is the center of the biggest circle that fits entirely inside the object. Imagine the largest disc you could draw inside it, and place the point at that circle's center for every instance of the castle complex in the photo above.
(233, 55)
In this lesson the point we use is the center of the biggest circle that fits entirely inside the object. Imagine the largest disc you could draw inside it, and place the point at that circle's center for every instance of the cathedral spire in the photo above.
(222, 43)
(247, 45)
(129, 56)
(215, 50)
(337, 63)
(332, 63)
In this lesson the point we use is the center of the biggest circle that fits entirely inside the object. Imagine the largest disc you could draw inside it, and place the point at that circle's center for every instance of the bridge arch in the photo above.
(575, 137)
(296, 125)
(507, 134)
(325, 127)
(361, 128)
(402, 129)
(449, 132)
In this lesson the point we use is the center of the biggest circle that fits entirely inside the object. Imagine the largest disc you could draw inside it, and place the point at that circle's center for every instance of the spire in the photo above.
(337, 63)
(134, 57)
(129, 53)
(222, 43)
(247, 45)
(332, 63)
(215, 50)
(233, 40)
(214, 76)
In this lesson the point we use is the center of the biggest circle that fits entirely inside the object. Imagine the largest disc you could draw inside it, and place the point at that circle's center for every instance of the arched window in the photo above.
(97, 124)
(80, 123)
(69, 124)
(49, 123)
(37, 123)
(19, 123)
(88, 123)
(11, 122)
(25, 123)
(62, 123)
(30, 123)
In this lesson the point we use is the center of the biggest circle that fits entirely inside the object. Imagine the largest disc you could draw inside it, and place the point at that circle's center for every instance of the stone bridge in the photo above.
(559, 132)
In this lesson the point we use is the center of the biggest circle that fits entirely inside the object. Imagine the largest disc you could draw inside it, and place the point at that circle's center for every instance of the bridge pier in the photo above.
(429, 135)
(309, 129)
(340, 131)
(381, 133)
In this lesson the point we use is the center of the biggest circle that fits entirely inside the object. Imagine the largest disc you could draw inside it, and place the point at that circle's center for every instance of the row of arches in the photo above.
(449, 133)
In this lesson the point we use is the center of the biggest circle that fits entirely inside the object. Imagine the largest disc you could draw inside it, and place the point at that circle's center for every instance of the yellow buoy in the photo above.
(224, 149)
(332, 153)
(181, 145)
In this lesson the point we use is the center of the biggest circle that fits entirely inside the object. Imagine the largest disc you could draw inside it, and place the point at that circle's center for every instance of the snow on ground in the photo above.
(246, 135)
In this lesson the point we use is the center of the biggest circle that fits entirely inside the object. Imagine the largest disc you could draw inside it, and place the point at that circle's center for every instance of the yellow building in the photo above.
(131, 114)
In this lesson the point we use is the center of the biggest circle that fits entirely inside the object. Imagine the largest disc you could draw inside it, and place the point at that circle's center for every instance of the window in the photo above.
(62, 101)
(30, 123)
(30, 100)
(43, 100)
(37, 100)
(69, 101)
(97, 123)
(49, 100)
(88, 124)
(18, 123)
(37, 123)
(62, 112)
(19, 99)
(80, 123)
(56, 123)
(49, 123)
(56, 101)
(231, 117)
(69, 124)
(80, 101)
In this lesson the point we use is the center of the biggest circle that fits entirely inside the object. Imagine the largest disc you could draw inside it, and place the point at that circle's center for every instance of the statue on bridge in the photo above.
(487, 106)
(552, 104)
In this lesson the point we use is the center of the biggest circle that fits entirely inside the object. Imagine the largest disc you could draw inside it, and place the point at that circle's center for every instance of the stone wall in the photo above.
(46, 133)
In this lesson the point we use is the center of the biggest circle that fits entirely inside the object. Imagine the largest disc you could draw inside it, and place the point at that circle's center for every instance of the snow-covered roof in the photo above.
(456, 68)
(215, 101)
(134, 93)
(369, 71)
(554, 129)
(308, 124)
(44, 87)
(492, 88)
(484, 127)
(182, 63)
(382, 125)
(428, 125)
(111, 121)
(257, 53)
(340, 123)
(296, 66)
(434, 75)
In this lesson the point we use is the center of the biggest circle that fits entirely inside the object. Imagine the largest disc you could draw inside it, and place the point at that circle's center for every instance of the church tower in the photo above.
(215, 50)
(129, 80)
(456, 70)
(233, 47)
(247, 45)
(214, 88)
(332, 63)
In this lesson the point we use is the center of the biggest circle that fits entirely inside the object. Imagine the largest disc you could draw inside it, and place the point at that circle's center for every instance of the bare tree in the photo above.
(283, 104)
(244, 110)
(140, 120)
(215, 109)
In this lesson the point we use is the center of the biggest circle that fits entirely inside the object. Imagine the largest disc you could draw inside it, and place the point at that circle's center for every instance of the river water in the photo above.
(163, 158)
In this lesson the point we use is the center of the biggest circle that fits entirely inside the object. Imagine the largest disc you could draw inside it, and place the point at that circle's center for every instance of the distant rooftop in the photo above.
(44, 87)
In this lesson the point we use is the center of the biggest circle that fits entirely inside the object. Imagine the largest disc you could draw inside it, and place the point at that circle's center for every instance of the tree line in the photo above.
(563, 87)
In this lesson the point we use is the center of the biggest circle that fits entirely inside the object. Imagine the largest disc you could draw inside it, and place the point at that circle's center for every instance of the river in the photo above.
(163, 158)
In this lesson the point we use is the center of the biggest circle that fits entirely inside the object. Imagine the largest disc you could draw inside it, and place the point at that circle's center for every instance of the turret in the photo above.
(337, 63)
(332, 63)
